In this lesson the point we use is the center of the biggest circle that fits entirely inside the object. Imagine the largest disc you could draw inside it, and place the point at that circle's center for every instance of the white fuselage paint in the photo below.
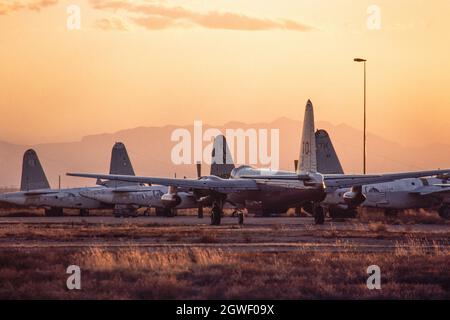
(148, 197)
(55, 198)
(399, 194)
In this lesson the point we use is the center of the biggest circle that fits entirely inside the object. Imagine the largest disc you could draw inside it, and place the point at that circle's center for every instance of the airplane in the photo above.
(164, 199)
(274, 188)
(35, 191)
(411, 193)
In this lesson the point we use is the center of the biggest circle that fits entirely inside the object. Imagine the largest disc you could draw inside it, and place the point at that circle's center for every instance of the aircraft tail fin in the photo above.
(120, 164)
(120, 161)
(33, 176)
(308, 162)
(326, 157)
(221, 161)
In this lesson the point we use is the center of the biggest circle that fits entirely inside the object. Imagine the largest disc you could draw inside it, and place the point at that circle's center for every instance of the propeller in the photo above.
(199, 175)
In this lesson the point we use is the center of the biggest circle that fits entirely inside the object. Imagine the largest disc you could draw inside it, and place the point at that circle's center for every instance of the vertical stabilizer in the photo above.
(327, 159)
(307, 157)
(221, 162)
(33, 176)
(120, 162)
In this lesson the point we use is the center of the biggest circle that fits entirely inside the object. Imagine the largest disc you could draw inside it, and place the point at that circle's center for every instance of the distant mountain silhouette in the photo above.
(150, 151)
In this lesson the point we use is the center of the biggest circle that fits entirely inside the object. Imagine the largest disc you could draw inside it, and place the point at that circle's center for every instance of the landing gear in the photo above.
(336, 213)
(125, 211)
(391, 213)
(84, 212)
(165, 212)
(216, 213)
(54, 212)
(444, 212)
(241, 217)
(200, 212)
(319, 215)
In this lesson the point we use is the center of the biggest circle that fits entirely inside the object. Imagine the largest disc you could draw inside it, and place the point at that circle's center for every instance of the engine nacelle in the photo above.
(354, 197)
(170, 200)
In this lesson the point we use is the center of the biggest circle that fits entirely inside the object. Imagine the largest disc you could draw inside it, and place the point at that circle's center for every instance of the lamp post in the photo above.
(364, 136)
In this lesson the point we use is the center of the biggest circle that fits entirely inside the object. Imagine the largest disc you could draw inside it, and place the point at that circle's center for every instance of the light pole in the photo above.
(364, 136)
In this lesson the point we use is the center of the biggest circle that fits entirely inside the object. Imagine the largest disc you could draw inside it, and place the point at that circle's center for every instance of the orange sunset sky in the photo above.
(152, 63)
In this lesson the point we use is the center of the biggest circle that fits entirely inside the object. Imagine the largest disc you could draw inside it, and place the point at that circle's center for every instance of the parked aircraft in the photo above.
(166, 200)
(413, 193)
(35, 191)
(274, 188)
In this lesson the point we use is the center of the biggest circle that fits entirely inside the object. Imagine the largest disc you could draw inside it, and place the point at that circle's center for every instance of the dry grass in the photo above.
(410, 216)
(377, 226)
(215, 274)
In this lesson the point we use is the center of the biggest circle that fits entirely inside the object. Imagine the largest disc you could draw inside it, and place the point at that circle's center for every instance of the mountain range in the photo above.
(150, 152)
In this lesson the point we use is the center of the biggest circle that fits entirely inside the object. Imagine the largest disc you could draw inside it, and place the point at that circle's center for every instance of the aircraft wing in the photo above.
(217, 184)
(345, 181)
(132, 189)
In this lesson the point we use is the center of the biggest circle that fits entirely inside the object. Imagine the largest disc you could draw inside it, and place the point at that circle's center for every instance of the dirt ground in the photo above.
(186, 258)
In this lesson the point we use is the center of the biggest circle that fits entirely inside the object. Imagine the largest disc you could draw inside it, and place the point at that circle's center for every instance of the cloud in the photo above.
(155, 15)
(110, 24)
(8, 6)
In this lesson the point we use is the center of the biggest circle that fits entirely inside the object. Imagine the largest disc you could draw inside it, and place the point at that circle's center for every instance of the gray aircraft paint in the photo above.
(410, 193)
(33, 176)
(36, 191)
(276, 189)
(327, 159)
(150, 196)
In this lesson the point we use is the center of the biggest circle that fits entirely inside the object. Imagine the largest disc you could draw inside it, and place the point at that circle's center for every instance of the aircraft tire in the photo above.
(215, 215)
(241, 217)
(444, 212)
(54, 212)
(319, 216)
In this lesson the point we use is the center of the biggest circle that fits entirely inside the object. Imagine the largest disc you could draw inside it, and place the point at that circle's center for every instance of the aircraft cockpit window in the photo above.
(374, 190)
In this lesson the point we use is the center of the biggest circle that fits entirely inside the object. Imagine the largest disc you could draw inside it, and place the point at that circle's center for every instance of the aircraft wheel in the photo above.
(200, 212)
(391, 213)
(319, 216)
(160, 212)
(169, 213)
(54, 212)
(444, 212)
(215, 215)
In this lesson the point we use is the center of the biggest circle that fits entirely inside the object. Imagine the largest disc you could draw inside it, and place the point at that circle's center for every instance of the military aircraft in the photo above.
(411, 193)
(166, 200)
(274, 188)
(35, 190)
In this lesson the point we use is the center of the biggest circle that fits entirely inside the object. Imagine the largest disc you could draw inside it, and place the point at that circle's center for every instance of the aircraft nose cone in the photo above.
(12, 198)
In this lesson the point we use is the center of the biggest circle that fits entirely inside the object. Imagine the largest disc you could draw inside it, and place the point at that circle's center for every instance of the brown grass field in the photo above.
(34, 257)
(195, 273)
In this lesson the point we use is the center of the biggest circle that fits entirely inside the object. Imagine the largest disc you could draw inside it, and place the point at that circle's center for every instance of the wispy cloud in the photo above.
(108, 24)
(8, 6)
(155, 15)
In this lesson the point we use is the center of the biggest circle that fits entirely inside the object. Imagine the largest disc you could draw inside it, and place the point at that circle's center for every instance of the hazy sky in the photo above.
(151, 63)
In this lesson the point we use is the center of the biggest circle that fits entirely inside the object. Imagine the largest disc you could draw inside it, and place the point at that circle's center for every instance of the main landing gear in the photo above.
(54, 212)
(444, 211)
(319, 214)
(216, 214)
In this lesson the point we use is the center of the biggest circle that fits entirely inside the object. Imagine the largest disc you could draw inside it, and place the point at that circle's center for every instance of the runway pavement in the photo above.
(274, 234)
